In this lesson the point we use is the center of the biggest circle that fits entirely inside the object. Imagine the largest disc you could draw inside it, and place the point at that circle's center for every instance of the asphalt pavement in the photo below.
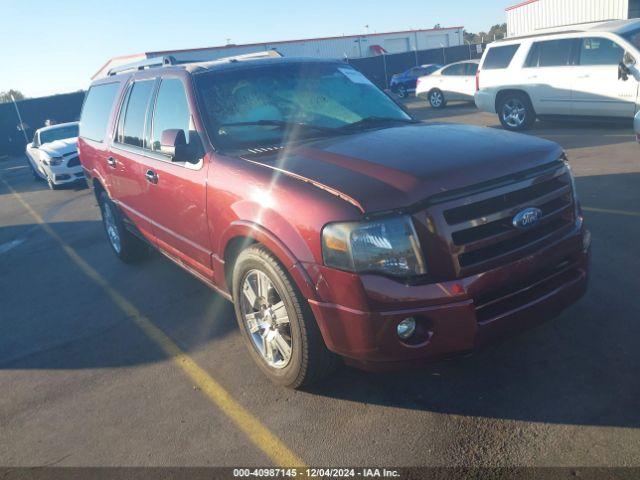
(86, 382)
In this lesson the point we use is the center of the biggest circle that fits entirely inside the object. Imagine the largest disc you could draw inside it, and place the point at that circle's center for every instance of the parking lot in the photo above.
(108, 364)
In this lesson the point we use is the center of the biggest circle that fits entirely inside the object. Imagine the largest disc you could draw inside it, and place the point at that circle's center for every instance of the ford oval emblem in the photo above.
(527, 218)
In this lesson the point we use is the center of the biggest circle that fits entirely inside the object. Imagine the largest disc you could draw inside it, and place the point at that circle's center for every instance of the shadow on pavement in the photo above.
(581, 368)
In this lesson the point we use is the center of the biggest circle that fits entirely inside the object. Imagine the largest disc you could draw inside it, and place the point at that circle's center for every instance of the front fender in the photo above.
(243, 228)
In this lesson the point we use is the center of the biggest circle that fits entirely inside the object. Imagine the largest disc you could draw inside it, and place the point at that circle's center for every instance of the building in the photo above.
(350, 46)
(532, 15)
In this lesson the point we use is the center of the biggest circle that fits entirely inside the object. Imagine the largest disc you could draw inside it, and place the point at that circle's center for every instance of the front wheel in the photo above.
(124, 244)
(516, 112)
(436, 99)
(276, 322)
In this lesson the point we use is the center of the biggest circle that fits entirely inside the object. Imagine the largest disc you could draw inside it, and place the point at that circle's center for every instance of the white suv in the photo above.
(589, 70)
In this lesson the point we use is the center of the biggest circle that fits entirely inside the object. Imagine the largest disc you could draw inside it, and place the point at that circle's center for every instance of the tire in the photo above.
(436, 99)
(34, 172)
(516, 112)
(124, 244)
(308, 358)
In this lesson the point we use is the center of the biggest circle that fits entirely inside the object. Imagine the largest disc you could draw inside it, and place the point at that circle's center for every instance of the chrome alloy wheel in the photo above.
(514, 113)
(111, 227)
(436, 99)
(265, 317)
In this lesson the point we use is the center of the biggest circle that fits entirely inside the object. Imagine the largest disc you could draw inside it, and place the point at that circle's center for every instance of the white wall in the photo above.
(555, 13)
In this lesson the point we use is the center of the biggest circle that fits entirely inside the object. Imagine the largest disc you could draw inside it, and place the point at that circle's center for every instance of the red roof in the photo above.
(521, 4)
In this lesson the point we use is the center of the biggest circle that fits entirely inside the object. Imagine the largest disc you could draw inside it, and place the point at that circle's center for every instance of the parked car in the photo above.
(402, 84)
(337, 224)
(53, 155)
(636, 126)
(453, 82)
(586, 71)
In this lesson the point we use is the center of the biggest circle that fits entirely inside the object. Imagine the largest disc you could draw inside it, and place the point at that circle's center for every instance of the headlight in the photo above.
(389, 246)
(52, 161)
(574, 192)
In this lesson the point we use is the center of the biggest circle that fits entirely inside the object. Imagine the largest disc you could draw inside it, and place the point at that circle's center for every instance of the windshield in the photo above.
(54, 134)
(633, 37)
(272, 104)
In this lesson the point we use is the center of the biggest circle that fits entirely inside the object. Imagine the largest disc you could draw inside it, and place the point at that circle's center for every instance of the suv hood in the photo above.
(58, 148)
(397, 167)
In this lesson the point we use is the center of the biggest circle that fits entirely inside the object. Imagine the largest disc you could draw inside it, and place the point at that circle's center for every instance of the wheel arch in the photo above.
(242, 234)
(510, 91)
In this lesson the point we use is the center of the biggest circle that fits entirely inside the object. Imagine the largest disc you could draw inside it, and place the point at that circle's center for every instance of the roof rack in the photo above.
(168, 60)
(142, 64)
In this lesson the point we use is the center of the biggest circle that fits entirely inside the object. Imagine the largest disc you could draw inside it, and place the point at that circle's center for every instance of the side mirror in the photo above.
(173, 143)
(623, 72)
(628, 60)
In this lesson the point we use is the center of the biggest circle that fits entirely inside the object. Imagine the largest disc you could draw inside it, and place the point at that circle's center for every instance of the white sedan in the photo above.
(456, 81)
(53, 155)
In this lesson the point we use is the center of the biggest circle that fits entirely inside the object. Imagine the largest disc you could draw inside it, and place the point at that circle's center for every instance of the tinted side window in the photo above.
(133, 126)
(600, 51)
(500, 57)
(552, 53)
(172, 111)
(472, 69)
(96, 111)
(458, 69)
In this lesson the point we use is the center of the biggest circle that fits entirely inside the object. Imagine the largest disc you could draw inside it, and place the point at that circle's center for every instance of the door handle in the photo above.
(151, 176)
(584, 76)
(532, 77)
(111, 162)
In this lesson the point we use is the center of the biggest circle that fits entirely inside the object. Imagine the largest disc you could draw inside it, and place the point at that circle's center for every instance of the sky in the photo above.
(54, 46)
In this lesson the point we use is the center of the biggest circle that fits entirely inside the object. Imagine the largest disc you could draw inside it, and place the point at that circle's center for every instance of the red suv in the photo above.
(337, 224)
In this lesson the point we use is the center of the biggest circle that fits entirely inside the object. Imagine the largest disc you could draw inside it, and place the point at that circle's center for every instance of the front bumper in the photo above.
(359, 319)
(62, 175)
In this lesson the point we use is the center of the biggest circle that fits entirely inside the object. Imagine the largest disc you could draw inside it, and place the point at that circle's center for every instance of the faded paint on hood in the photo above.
(396, 167)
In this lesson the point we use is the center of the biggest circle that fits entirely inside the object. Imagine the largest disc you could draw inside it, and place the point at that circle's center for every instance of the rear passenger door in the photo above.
(452, 81)
(127, 158)
(177, 196)
(597, 89)
(549, 75)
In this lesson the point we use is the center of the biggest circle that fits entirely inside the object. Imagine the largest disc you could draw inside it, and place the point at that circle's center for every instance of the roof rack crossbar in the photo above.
(142, 64)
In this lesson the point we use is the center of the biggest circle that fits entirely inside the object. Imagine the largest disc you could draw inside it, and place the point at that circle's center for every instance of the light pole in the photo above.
(19, 118)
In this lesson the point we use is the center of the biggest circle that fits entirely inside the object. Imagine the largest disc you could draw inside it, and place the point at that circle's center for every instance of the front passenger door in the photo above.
(178, 194)
(597, 89)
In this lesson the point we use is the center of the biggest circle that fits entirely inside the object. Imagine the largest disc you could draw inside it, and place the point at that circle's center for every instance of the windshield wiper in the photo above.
(373, 121)
(282, 124)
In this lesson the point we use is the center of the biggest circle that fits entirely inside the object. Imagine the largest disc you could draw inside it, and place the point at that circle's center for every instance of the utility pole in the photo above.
(19, 118)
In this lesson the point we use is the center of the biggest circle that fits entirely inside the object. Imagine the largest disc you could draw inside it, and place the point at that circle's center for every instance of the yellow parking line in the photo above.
(259, 434)
(607, 210)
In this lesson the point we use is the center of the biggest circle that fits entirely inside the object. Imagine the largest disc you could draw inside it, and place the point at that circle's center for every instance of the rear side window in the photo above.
(472, 69)
(499, 57)
(97, 110)
(551, 53)
(458, 69)
(132, 126)
(171, 112)
(600, 51)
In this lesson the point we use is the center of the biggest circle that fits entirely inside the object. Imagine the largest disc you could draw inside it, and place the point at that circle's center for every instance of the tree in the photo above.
(496, 32)
(5, 97)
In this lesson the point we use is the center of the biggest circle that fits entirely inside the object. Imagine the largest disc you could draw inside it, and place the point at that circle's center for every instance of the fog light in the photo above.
(406, 328)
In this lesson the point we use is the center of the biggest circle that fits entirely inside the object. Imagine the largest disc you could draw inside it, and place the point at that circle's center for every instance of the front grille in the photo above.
(74, 162)
(479, 227)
